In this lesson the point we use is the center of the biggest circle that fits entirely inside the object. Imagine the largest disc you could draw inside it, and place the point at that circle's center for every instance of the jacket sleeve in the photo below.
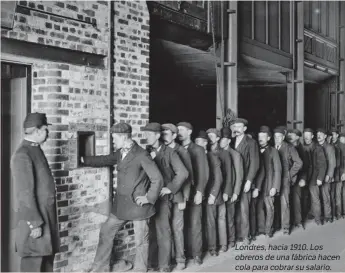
(200, 172)
(254, 162)
(306, 163)
(238, 165)
(101, 160)
(297, 164)
(155, 177)
(277, 170)
(185, 157)
(330, 154)
(25, 185)
(180, 171)
(261, 175)
(215, 164)
(227, 170)
(342, 158)
(321, 163)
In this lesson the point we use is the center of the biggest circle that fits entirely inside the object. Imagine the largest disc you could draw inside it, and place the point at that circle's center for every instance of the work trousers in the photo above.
(253, 216)
(285, 208)
(230, 210)
(315, 203)
(108, 231)
(265, 209)
(336, 189)
(194, 229)
(37, 264)
(243, 215)
(299, 204)
(216, 223)
(178, 234)
(326, 200)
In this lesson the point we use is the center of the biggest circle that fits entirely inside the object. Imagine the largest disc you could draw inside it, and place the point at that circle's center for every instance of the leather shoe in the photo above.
(223, 249)
(197, 260)
(122, 266)
(180, 266)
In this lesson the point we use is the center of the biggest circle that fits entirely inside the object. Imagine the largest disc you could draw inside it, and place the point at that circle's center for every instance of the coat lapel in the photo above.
(129, 157)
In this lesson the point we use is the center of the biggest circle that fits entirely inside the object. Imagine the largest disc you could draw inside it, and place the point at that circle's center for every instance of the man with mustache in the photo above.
(169, 134)
(314, 172)
(268, 181)
(326, 186)
(248, 148)
(194, 208)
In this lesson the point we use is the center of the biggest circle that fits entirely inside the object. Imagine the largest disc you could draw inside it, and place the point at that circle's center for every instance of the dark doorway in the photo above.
(15, 104)
(263, 106)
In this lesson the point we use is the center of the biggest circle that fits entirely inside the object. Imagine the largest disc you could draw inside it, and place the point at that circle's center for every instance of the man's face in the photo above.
(321, 137)
(151, 137)
(278, 138)
(224, 142)
(308, 137)
(342, 139)
(263, 138)
(118, 140)
(213, 138)
(335, 137)
(292, 137)
(168, 136)
(238, 129)
(183, 133)
(42, 134)
(201, 142)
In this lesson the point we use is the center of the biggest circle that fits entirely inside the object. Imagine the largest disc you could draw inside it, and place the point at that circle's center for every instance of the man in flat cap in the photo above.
(169, 134)
(291, 165)
(194, 206)
(36, 232)
(329, 178)
(139, 183)
(314, 172)
(174, 175)
(339, 175)
(220, 163)
(248, 148)
(232, 188)
(268, 182)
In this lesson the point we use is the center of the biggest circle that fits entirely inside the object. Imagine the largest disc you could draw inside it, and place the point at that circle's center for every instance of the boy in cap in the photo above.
(232, 188)
(268, 181)
(139, 183)
(169, 134)
(291, 165)
(174, 175)
(194, 208)
(216, 209)
(331, 163)
(36, 231)
(314, 172)
(248, 149)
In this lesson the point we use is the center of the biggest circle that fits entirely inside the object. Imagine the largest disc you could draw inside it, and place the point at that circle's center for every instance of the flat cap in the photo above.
(239, 120)
(265, 129)
(321, 130)
(153, 127)
(308, 130)
(279, 130)
(202, 134)
(295, 131)
(121, 128)
(35, 120)
(213, 131)
(185, 124)
(334, 130)
(169, 126)
(225, 133)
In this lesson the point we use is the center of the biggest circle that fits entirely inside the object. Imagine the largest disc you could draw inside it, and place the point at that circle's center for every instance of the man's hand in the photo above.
(255, 193)
(247, 186)
(273, 192)
(164, 191)
(327, 178)
(211, 199)
(198, 198)
(342, 177)
(141, 200)
(36, 232)
(301, 183)
(181, 206)
(319, 182)
(82, 159)
(234, 198)
(225, 197)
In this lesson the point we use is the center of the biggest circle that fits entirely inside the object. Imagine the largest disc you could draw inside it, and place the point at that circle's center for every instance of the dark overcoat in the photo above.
(137, 175)
(235, 184)
(35, 201)
(340, 161)
(330, 159)
(215, 180)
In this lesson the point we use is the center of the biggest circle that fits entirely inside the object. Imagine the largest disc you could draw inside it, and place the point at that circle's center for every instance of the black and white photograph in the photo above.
(172, 136)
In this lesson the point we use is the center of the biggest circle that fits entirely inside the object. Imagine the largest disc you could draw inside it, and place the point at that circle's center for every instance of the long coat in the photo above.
(35, 201)
(330, 158)
(137, 175)
(340, 161)
(215, 180)
(226, 165)
(235, 184)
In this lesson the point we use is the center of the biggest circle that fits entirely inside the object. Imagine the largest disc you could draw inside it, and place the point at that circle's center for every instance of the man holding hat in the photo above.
(248, 148)
(268, 182)
(232, 188)
(36, 232)
(174, 175)
(291, 165)
(200, 175)
(329, 178)
(314, 172)
(139, 184)
(169, 134)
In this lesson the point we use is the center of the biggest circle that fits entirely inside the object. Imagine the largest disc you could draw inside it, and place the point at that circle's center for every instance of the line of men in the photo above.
(217, 190)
